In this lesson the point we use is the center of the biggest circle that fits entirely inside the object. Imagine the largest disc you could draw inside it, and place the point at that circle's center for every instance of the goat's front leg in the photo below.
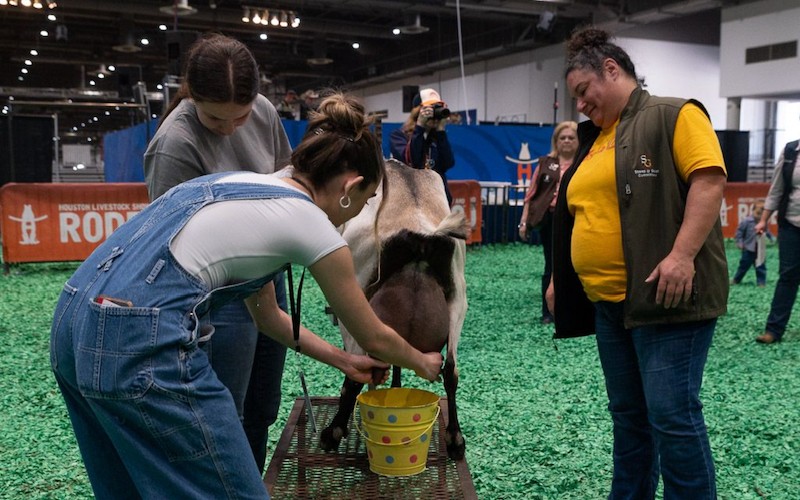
(332, 435)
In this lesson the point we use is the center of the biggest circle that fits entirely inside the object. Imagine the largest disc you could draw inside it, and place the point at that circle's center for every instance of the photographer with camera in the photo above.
(422, 142)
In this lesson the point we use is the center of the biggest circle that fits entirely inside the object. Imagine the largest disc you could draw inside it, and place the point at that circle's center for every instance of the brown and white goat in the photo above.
(409, 252)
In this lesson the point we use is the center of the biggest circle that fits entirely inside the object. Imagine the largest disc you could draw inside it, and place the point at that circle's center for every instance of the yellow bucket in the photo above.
(397, 425)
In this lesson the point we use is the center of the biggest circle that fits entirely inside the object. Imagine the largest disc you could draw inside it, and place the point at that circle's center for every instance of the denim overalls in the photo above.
(151, 417)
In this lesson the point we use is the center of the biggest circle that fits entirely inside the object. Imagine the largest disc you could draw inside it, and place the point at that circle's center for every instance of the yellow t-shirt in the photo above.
(592, 199)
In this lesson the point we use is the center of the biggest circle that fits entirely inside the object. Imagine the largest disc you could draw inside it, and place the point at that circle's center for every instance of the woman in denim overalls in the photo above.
(150, 415)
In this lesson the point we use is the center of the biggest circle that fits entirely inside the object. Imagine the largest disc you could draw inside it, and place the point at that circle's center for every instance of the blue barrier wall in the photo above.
(483, 152)
(123, 152)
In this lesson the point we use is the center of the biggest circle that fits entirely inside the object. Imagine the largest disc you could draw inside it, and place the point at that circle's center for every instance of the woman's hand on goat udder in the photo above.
(432, 366)
(364, 368)
(379, 376)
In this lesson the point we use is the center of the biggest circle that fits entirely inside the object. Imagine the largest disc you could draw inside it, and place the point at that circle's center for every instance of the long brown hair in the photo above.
(219, 69)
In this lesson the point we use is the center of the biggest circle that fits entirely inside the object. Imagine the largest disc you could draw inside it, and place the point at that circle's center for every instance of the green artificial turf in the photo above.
(532, 410)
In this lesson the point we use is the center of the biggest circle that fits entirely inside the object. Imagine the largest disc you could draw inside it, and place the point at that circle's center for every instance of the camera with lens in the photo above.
(440, 111)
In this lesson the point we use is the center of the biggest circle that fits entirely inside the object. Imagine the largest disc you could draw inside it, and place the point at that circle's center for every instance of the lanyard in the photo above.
(294, 307)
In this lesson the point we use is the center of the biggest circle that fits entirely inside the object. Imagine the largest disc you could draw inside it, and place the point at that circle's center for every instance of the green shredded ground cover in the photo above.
(533, 410)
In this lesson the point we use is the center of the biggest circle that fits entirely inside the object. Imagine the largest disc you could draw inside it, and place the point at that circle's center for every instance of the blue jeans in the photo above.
(748, 260)
(250, 365)
(263, 397)
(653, 376)
(788, 279)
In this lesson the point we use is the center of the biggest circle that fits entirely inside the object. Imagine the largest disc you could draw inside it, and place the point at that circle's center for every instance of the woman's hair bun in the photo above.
(586, 39)
(341, 113)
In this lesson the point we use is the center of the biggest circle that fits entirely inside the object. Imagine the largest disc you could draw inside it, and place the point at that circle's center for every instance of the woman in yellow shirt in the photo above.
(639, 261)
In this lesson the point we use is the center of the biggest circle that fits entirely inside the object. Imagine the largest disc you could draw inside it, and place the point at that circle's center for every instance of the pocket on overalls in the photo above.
(115, 349)
(59, 331)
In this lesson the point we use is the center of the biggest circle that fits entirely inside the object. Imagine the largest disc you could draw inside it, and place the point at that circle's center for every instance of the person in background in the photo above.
(308, 104)
(151, 417)
(540, 200)
(639, 260)
(219, 122)
(783, 197)
(289, 107)
(747, 241)
(421, 142)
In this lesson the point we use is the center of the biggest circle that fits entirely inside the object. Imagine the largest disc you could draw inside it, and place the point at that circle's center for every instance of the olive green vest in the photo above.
(652, 200)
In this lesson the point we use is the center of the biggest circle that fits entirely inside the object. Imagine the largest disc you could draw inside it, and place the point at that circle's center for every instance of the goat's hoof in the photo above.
(330, 438)
(456, 446)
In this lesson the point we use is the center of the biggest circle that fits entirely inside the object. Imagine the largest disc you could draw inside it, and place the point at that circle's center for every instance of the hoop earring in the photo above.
(345, 201)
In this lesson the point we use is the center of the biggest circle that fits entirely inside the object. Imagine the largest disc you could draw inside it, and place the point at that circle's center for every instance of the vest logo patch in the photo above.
(647, 169)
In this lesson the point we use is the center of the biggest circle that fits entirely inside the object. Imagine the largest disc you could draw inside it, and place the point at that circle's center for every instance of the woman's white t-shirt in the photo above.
(233, 241)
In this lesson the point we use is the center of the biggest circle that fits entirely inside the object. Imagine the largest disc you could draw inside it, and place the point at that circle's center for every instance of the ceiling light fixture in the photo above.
(320, 53)
(36, 4)
(413, 26)
(179, 8)
(278, 18)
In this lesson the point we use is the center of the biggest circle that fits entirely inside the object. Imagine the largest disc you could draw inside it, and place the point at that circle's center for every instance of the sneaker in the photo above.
(734, 282)
(768, 338)
(546, 320)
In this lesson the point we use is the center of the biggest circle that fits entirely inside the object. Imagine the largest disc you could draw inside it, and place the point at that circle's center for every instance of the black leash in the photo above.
(294, 307)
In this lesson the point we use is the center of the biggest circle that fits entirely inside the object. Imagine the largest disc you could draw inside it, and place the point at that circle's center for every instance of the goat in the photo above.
(417, 287)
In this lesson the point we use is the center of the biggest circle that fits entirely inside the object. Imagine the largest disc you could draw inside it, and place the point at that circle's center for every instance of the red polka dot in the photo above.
(412, 459)
(417, 417)
(406, 439)
(386, 439)
(370, 415)
(369, 453)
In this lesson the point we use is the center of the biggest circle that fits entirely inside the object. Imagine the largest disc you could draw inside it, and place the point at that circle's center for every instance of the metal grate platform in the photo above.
(300, 469)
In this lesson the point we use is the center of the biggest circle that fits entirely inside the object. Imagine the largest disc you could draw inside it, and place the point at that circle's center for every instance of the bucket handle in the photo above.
(357, 425)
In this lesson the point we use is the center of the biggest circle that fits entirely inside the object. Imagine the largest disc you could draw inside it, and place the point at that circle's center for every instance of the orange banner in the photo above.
(63, 222)
(66, 222)
(739, 200)
(467, 198)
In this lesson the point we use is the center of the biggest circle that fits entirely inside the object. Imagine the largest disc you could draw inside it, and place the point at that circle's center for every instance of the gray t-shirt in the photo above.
(183, 148)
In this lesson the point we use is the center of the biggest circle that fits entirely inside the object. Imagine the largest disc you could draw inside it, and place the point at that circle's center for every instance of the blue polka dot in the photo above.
(423, 438)
(389, 459)
(392, 419)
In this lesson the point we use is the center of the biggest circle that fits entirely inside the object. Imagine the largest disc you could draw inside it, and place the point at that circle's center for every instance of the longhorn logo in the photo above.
(28, 222)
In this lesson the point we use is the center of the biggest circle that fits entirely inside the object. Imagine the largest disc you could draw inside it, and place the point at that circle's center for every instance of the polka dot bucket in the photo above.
(397, 425)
